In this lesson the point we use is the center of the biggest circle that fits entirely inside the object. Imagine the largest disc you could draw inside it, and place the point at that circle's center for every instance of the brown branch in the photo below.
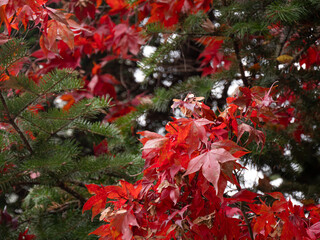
(305, 48)
(283, 42)
(241, 68)
(80, 184)
(14, 125)
(69, 190)
(61, 207)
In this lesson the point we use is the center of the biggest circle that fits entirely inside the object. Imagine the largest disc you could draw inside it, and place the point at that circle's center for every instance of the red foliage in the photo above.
(182, 194)
(186, 172)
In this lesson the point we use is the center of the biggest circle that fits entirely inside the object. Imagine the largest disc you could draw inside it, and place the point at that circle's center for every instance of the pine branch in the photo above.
(34, 124)
(69, 190)
(66, 124)
(40, 95)
(14, 125)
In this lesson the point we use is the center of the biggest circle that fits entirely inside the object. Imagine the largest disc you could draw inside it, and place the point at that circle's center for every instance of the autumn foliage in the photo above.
(182, 194)
(191, 185)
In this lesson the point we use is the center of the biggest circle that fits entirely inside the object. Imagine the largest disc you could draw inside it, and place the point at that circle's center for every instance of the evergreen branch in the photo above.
(241, 68)
(66, 124)
(69, 190)
(38, 96)
(7, 59)
(34, 124)
(14, 125)
(62, 207)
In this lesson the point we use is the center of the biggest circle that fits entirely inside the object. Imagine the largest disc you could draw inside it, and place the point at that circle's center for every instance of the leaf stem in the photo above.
(246, 220)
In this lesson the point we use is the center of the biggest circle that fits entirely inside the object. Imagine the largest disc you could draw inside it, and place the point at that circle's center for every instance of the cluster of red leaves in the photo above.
(169, 12)
(213, 58)
(87, 32)
(182, 193)
(296, 116)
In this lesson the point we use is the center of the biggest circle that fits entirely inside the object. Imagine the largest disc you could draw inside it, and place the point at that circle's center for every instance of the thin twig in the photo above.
(241, 68)
(283, 42)
(39, 127)
(246, 220)
(305, 48)
(14, 125)
(79, 184)
(69, 190)
(44, 93)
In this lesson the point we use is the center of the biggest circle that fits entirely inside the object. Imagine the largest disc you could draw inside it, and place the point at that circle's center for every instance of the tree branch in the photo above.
(80, 184)
(241, 68)
(69, 190)
(14, 125)
(283, 42)
(305, 48)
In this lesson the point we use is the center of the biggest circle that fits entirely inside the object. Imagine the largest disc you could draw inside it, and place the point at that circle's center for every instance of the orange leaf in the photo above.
(70, 101)
(4, 18)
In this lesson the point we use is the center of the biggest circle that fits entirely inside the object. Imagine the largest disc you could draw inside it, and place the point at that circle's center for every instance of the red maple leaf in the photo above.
(210, 164)
(125, 192)
(126, 38)
(101, 148)
(254, 134)
(117, 6)
(26, 236)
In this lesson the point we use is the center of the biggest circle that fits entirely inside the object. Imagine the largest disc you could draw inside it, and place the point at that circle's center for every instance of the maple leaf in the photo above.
(243, 195)
(314, 231)
(119, 227)
(152, 140)
(126, 39)
(192, 133)
(125, 192)
(265, 215)
(3, 18)
(83, 9)
(101, 85)
(210, 163)
(213, 58)
(26, 236)
(117, 6)
(231, 147)
(101, 148)
(191, 105)
(60, 31)
(254, 134)
(69, 99)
